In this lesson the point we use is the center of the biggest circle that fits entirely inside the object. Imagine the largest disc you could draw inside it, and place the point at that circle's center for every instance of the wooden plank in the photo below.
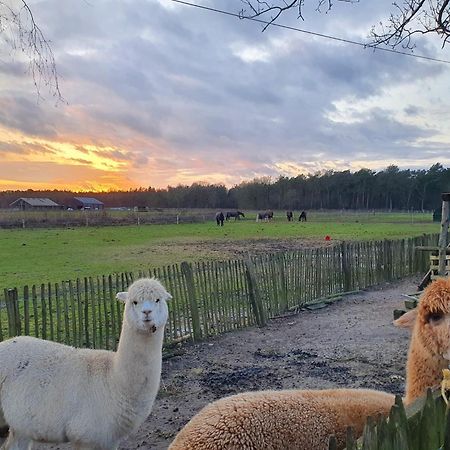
(431, 248)
(58, 313)
(67, 339)
(93, 313)
(73, 315)
(80, 313)
(50, 311)
(112, 307)
(2, 336)
(186, 270)
(35, 309)
(107, 325)
(26, 310)
(87, 341)
(98, 302)
(254, 296)
(43, 313)
(443, 237)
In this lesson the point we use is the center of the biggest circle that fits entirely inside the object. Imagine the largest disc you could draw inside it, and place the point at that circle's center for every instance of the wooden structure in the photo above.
(440, 254)
(27, 203)
(88, 203)
(211, 297)
(439, 259)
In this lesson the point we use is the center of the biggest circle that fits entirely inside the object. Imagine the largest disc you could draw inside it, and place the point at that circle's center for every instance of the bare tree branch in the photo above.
(411, 17)
(273, 10)
(21, 33)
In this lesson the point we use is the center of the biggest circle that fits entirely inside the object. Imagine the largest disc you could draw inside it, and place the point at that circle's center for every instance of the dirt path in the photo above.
(351, 343)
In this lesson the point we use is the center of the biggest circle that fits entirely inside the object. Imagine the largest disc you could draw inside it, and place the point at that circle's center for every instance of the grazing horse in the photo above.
(289, 215)
(264, 215)
(236, 214)
(302, 217)
(220, 218)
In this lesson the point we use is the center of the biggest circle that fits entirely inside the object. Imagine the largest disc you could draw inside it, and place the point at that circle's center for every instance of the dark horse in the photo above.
(220, 218)
(302, 217)
(264, 215)
(236, 214)
(289, 215)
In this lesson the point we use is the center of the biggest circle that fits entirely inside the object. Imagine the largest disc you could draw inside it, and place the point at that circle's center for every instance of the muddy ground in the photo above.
(351, 343)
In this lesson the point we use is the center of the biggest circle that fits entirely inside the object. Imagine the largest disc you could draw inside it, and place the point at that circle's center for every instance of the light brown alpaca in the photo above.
(429, 351)
(299, 419)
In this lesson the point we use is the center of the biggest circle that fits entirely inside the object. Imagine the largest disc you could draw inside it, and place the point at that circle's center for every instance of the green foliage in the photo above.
(425, 425)
(389, 189)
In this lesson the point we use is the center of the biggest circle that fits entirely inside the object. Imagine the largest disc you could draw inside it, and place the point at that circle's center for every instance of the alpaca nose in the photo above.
(146, 312)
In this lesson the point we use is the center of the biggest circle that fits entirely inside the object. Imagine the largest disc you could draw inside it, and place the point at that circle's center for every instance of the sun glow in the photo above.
(37, 163)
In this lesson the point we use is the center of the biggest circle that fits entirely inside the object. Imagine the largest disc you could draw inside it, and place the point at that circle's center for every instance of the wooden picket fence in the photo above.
(424, 425)
(209, 298)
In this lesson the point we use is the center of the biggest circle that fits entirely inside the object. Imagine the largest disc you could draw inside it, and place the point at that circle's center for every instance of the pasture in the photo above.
(34, 256)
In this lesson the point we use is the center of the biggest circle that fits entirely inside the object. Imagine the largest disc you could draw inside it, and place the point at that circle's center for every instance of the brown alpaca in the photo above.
(429, 351)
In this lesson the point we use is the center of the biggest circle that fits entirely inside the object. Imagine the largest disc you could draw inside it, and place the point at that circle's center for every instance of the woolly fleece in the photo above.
(281, 420)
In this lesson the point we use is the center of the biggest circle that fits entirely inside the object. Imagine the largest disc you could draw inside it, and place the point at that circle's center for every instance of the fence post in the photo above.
(12, 309)
(346, 273)
(186, 270)
(281, 259)
(443, 237)
(255, 298)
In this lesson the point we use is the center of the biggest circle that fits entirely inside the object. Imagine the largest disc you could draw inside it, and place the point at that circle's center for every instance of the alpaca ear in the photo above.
(407, 320)
(168, 296)
(122, 296)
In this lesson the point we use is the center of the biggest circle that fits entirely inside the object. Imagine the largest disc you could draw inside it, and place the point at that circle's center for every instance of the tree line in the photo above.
(388, 189)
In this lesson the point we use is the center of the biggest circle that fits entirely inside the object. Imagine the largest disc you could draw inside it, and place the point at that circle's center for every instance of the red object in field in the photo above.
(327, 238)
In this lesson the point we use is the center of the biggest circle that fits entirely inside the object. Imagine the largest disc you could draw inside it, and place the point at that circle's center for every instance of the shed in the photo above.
(88, 203)
(27, 203)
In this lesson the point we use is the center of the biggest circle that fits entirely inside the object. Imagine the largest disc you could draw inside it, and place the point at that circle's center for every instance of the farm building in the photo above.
(25, 203)
(88, 203)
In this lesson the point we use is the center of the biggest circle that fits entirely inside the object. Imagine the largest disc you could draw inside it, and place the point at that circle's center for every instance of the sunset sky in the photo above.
(159, 94)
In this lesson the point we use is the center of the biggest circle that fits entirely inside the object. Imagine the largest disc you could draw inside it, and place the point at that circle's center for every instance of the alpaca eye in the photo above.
(135, 303)
(157, 300)
(434, 318)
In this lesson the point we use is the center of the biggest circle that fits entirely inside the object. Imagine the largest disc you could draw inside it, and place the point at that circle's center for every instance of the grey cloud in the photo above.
(22, 114)
(412, 110)
(171, 75)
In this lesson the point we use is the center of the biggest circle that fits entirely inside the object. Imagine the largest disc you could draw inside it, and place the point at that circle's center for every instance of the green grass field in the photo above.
(51, 255)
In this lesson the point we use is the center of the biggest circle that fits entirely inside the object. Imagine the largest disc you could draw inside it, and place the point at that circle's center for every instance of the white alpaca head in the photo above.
(145, 304)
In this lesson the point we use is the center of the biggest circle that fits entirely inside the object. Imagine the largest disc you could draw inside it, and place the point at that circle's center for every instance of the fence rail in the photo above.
(209, 298)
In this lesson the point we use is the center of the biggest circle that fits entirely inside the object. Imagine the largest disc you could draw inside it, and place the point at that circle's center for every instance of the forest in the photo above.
(389, 189)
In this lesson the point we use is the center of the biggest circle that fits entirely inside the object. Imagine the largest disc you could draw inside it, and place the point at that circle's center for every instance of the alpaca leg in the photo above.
(17, 442)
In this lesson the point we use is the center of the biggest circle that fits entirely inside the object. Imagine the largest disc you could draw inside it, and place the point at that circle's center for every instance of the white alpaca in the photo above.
(51, 392)
(304, 419)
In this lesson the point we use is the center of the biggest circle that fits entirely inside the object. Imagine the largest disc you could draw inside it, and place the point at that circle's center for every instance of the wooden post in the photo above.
(255, 298)
(346, 273)
(186, 270)
(12, 308)
(443, 236)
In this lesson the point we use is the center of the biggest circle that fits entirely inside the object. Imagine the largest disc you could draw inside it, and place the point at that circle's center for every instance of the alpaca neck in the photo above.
(137, 362)
(424, 370)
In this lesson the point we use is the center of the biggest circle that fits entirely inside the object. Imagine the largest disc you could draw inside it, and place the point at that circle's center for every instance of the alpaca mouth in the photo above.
(149, 325)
